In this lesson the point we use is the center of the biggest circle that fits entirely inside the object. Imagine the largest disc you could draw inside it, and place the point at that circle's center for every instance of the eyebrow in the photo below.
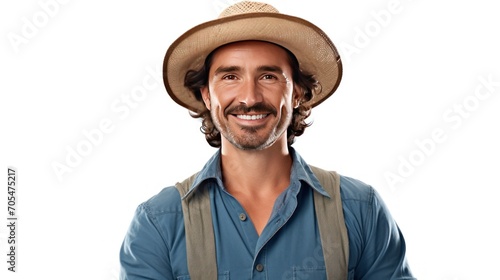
(270, 68)
(262, 68)
(226, 69)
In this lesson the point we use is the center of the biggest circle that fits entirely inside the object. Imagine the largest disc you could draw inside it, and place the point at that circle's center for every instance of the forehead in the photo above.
(248, 52)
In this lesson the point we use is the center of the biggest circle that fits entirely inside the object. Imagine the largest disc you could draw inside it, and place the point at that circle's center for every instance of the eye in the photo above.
(229, 77)
(268, 77)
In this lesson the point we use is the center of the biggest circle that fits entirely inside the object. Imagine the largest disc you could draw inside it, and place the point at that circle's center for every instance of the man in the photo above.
(253, 75)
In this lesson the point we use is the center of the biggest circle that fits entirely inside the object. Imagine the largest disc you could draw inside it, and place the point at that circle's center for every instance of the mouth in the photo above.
(251, 117)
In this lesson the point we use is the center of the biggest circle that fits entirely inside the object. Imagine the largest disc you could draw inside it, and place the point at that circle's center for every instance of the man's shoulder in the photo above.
(168, 200)
(352, 189)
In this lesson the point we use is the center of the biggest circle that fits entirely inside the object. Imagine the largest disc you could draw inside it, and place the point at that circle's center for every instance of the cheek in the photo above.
(215, 105)
(212, 101)
(220, 100)
(287, 102)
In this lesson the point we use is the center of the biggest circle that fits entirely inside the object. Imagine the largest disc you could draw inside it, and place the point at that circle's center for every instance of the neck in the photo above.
(254, 172)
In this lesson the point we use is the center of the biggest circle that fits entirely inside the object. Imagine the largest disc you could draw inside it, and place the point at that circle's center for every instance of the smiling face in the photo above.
(250, 94)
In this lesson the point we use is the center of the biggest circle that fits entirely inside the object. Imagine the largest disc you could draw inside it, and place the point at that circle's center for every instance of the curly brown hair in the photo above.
(195, 80)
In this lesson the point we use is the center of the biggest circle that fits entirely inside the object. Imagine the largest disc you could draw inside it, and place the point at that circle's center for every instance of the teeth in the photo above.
(251, 117)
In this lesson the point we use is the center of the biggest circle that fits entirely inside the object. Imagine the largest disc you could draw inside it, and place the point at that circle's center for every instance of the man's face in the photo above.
(250, 94)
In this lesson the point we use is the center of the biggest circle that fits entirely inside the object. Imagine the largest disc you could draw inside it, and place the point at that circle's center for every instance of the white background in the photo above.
(409, 66)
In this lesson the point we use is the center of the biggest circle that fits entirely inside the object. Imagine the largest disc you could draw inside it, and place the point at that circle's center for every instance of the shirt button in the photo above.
(259, 267)
(243, 217)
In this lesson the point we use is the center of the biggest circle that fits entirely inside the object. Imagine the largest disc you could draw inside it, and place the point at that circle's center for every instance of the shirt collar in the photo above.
(300, 172)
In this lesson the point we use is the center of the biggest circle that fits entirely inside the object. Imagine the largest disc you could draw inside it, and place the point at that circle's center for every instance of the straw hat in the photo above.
(252, 21)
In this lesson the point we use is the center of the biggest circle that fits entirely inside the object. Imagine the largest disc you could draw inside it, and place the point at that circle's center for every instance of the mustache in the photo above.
(257, 107)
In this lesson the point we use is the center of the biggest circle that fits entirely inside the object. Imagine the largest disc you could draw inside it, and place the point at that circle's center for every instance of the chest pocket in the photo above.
(220, 276)
(312, 273)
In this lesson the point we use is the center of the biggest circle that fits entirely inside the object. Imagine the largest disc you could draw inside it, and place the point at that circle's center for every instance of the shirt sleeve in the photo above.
(143, 254)
(384, 254)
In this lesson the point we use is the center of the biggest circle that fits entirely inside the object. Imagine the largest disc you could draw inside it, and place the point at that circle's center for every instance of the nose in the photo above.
(250, 93)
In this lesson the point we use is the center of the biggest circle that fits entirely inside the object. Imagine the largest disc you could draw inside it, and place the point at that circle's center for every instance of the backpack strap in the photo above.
(332, 228)
(200, 241)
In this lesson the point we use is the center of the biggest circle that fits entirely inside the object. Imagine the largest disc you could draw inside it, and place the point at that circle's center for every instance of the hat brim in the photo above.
(313, 49)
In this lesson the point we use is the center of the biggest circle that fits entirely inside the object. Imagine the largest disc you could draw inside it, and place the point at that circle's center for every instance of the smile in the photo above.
(251, 117)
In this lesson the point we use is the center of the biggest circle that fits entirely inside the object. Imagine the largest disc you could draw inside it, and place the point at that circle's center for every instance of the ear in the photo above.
(205, 95)
(298, 94)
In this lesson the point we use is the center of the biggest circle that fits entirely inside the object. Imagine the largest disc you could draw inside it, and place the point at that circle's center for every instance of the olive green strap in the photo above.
(332, 228)
(200, 241)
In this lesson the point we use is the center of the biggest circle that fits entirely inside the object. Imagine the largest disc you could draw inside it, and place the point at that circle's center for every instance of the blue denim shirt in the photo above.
(289, 247)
